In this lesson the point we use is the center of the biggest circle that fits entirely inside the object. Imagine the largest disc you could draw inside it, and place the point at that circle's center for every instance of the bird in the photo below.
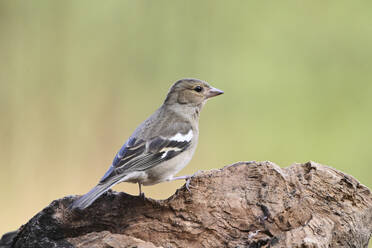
(162, 145)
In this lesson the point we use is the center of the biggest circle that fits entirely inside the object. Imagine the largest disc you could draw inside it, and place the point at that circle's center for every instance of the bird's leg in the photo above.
(187, 178)
(140, 191)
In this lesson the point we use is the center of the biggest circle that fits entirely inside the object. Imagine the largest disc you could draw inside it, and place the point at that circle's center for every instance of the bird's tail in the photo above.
(87, 199)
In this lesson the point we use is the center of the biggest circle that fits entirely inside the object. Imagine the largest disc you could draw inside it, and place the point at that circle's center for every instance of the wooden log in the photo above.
(247, 204)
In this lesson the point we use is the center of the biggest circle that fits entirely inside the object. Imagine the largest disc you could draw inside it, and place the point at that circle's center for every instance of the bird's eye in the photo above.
(198, 88)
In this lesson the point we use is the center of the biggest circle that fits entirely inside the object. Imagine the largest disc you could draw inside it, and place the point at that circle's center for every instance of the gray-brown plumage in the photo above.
(162, 145)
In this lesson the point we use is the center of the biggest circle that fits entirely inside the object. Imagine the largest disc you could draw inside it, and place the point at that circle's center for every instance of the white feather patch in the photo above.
(182, 137)
(168, 149)
(164, 155)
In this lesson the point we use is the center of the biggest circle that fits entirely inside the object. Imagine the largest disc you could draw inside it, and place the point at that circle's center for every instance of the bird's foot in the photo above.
(142, 196)
(187, 178)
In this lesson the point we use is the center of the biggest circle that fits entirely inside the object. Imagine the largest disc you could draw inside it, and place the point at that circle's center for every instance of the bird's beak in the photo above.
(213, 92)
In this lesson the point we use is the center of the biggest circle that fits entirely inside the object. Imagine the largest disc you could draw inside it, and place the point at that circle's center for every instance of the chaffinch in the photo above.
(162, 145)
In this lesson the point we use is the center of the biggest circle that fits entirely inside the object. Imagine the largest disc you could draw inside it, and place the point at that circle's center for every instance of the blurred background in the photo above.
(77, 77)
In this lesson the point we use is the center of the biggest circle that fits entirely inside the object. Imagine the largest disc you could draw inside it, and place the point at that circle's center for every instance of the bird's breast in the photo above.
(169, 168)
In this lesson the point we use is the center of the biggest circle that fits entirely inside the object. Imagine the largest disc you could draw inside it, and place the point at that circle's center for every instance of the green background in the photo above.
(77, 77)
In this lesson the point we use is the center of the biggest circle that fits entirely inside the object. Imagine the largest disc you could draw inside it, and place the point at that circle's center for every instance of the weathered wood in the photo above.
(254, 204)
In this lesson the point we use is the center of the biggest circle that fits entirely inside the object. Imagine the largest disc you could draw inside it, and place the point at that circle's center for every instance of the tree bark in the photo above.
(247, 204)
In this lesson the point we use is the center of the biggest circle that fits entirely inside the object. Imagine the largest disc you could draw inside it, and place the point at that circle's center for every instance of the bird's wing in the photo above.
(140, 155)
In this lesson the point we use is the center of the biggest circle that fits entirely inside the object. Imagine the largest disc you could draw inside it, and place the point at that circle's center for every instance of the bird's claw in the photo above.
(188, 180)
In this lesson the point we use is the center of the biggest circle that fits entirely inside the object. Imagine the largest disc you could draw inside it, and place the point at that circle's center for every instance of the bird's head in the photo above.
(192, 92)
